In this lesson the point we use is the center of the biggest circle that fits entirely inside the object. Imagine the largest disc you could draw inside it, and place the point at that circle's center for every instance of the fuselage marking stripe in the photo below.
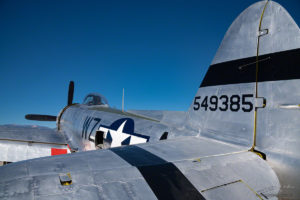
(163, 177)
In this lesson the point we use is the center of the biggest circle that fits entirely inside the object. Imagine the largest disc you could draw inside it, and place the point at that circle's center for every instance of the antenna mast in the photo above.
(123, 101)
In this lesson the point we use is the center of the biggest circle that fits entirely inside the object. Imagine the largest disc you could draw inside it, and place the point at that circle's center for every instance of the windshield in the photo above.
(95, 99)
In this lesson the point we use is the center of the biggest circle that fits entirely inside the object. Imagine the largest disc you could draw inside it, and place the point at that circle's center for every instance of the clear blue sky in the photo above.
(158, 51)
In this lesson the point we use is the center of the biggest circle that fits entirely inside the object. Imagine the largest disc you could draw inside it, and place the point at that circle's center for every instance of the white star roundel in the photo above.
(121, 132)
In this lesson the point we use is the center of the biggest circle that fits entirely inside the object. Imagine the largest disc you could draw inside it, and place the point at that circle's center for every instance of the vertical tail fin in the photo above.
(251, 92)
(257, 60)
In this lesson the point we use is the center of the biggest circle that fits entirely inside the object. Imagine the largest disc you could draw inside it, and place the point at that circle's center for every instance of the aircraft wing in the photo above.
(185, 168)
(19, 142)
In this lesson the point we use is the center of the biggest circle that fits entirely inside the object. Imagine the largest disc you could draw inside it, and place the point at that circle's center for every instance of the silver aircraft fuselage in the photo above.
(82, 125)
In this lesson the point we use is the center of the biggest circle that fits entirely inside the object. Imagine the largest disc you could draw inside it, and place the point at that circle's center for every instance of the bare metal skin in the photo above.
(238, 140)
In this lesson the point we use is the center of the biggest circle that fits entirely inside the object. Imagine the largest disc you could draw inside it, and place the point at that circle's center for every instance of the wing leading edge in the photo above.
(26, 142)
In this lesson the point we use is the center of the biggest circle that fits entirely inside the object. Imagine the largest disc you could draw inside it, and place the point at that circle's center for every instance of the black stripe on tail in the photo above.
(272, 67)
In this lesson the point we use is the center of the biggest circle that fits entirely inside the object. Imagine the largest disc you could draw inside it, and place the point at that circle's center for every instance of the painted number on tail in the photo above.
(233, 103)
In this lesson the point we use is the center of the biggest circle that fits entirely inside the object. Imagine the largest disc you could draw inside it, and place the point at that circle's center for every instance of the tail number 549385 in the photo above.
(233, 103)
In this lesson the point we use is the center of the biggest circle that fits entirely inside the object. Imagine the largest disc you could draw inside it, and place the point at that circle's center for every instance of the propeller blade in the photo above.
(40, 117)
(70, 93)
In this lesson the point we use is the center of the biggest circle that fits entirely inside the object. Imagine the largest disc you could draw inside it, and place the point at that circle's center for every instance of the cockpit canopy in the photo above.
(93, 99)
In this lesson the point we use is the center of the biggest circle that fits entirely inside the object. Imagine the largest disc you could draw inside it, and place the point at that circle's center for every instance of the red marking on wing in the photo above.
(55, 151)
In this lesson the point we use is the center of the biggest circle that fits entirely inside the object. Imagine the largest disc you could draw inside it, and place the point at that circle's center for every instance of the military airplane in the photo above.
(238, 140)
(94, 125)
